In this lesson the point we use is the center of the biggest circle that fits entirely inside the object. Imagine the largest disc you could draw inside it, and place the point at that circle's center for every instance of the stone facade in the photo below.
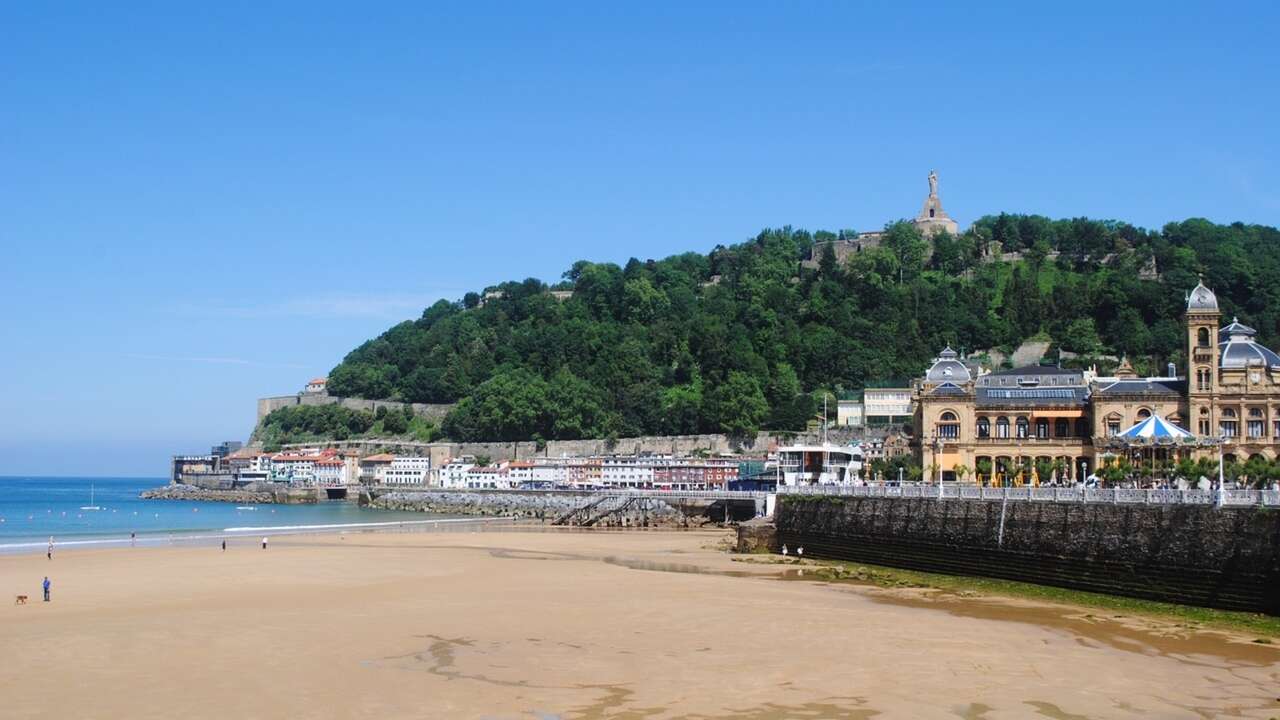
(1015, 419)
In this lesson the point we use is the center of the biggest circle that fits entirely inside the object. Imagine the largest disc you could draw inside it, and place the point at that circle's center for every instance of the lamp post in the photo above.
(937, 460)
(1222, 441)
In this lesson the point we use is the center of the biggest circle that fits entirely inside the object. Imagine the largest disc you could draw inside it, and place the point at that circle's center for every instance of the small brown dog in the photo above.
(20, 600)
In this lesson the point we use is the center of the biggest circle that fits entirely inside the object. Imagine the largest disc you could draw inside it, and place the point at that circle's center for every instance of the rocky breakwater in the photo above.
(191, 492)
(245, 496)
(545, 506)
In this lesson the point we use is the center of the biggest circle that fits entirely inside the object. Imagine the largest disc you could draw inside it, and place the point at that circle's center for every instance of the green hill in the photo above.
(745, 337)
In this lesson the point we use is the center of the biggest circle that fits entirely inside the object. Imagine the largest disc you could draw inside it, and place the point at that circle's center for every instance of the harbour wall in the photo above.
(1225, 558)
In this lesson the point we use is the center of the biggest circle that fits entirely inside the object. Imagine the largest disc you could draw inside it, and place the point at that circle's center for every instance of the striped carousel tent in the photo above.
(1154, 429)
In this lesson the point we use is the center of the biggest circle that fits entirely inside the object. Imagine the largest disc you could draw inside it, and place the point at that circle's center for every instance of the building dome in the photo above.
(1239, 349)
(947, 369)
(1202, 298)
(1236, 328)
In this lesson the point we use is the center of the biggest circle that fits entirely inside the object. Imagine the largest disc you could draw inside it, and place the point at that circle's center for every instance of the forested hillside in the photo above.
(745, 338)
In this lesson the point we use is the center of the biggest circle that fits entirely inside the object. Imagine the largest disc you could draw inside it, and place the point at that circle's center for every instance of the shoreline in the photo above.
(153, 539)
(585, 624)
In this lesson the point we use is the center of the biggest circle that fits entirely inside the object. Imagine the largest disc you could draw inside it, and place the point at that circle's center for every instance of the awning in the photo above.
(1057, 413)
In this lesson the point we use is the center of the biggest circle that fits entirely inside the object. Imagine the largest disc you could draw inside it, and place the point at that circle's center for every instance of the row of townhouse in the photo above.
(316, 467)
(326, 468)
(618, 472)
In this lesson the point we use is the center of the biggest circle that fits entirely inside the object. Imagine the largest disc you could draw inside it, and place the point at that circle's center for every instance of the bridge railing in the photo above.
(1230, 497)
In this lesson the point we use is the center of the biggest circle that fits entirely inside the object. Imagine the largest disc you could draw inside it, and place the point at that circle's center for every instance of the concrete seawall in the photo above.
(1198, 555)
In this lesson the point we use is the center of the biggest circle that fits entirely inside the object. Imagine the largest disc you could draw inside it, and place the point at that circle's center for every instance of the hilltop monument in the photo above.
(931, 221)
(932, 217)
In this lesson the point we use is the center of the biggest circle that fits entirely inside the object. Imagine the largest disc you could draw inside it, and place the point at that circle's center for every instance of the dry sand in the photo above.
(518, 624)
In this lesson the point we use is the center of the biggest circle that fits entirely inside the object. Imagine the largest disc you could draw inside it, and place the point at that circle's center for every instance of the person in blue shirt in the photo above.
(46, 588)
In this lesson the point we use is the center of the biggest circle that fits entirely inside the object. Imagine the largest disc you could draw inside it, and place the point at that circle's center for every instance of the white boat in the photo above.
(824, 464)
(245, 507)
(91, 505)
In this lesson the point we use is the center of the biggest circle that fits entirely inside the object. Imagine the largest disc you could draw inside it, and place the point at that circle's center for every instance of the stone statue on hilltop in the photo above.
(933, 183)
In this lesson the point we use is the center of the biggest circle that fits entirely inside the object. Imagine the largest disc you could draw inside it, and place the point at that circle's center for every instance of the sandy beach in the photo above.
(519, 624)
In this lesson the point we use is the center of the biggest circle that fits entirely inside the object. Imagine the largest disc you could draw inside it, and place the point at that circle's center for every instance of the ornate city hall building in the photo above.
(975, 426)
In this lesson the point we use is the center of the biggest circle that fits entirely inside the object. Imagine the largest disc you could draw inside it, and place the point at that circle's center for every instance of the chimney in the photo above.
(1171, 371)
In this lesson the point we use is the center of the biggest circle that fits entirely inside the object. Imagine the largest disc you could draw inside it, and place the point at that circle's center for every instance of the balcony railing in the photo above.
(957, 491)
(1067, 439)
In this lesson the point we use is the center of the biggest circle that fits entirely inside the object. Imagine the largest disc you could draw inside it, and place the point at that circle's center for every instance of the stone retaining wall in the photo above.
(1198, 555)
(522, 504)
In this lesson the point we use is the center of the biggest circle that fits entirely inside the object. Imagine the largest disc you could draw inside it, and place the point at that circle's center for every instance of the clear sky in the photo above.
(204, 203)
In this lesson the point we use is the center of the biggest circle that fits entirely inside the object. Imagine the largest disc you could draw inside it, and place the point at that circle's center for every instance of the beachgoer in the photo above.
(264, 542)
(133, 539)
(224, 545)
(49, 553)
(46, 588)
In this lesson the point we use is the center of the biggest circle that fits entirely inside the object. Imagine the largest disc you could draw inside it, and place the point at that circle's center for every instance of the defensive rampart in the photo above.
(267, 404)
(1192, 554)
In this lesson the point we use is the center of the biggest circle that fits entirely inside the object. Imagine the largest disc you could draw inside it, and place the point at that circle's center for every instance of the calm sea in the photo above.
(34, 509)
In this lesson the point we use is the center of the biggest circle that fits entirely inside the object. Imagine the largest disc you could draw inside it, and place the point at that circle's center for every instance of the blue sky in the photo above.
(202, 205)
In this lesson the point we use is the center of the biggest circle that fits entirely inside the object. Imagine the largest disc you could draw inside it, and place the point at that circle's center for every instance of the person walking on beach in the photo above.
(133, 539)
(224, 544)
(49, 553)
(46, 588)
(264, 542)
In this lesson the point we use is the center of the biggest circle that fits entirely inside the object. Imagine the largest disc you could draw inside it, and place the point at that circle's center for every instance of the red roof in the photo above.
(328, 462)
(318, 381)
(379, 458)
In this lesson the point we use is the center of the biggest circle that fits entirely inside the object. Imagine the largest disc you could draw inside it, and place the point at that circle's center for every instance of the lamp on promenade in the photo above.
(1222, 441)
(937, 460)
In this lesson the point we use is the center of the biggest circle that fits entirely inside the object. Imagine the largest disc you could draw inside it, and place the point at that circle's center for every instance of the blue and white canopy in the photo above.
(1155, 429)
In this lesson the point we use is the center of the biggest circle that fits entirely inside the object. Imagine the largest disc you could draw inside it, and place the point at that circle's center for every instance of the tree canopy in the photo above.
(743, 337)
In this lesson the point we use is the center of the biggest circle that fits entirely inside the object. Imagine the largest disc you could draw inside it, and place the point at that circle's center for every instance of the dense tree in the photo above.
(742, 337)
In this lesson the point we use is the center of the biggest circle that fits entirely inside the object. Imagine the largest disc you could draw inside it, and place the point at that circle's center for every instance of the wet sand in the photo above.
(512, 624)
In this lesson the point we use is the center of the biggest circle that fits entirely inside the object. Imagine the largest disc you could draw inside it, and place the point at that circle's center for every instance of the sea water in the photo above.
(35, 509)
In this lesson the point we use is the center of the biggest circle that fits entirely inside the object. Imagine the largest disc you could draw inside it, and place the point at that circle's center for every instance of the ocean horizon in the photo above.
(35, 509)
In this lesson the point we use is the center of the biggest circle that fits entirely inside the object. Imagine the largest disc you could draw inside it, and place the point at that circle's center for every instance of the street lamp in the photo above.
(937, 460)
(1222, 441)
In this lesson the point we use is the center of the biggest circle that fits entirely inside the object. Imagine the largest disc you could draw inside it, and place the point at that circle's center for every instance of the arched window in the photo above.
(1023, 427)
(949, 426)
(1061, 427)
(1143, 413)
(1255, 412)
(984, 428)
(1228, 412)
(1202, 337)
(1002, 427)
(1042, 428)
(1082, 428)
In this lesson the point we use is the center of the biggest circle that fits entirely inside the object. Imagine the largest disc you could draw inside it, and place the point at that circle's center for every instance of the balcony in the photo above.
(1069, 441)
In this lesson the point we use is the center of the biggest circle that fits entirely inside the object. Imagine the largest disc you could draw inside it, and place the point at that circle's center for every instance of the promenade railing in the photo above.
(1230, 497)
